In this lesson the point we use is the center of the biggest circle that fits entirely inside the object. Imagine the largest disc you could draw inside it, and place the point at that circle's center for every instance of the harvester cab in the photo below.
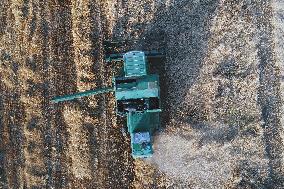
(137, 95)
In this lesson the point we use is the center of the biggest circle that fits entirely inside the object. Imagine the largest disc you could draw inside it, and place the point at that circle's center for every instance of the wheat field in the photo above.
(221, 83)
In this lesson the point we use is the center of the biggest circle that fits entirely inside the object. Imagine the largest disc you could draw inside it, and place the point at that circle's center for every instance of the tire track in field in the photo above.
(45, 74)
(269, 94)
(3, 177)
(101, 134)
(119, 162)
(3, 16)
(22, 92)
(13, 110)
(14, 139)
(64, 83)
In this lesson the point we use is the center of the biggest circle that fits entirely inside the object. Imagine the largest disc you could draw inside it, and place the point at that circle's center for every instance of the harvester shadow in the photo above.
(181, 31)
(185, 41)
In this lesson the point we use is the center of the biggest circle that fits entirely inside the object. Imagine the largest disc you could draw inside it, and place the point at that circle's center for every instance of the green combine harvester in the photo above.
(137, 95)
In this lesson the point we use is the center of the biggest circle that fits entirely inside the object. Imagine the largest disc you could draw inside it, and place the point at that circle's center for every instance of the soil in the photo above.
(221, 82)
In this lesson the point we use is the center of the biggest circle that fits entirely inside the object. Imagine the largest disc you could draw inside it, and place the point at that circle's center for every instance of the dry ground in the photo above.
(221, 90)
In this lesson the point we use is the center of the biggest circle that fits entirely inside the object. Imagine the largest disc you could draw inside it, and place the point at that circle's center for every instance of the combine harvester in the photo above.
(137, 95)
